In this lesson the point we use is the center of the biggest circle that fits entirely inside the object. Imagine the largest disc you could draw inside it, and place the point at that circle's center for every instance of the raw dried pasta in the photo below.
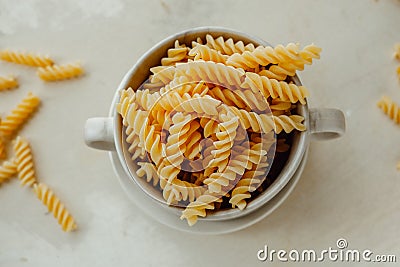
(7, 83)
(24, 161)
(201, 128)
(19, 115)
(55, 206)
(7, 170)
(264, 55)
(390, 108)
(26, 58)
(227, 47)
(60, 72)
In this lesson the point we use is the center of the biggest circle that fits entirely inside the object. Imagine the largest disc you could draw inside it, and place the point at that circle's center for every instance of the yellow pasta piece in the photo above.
(390, 108)
(7, 170)
(3, 152)
(264, 55)
(19, 115)
(198, 207)
(24, 161)
(55, 206)
(60, 72)
(207, 54)
(264, 123)
(7, 83)
(227, 47)
(26, 58)
(274, 88)
(177, 54)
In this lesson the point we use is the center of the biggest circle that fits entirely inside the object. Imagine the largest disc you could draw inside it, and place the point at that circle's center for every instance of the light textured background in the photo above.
(350, 187)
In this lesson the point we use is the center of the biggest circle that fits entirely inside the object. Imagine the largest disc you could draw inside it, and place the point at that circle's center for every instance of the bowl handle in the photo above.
(99, 133)
(326, 123)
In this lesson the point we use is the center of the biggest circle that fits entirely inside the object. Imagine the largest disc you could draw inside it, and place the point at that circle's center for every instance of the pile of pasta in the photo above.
(205, 126)
(386, 104)
(21, 163)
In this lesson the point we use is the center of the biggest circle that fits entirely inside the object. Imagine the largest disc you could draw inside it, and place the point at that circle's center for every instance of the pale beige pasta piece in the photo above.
(126, 99)
(203, 52)
(60, 72)
(148, 170)
(264, 123)
(170, 166)
(211, 72)
(7, 170)
(390, 108)
(24, 161)
(7, 83)
(55, 206)
(19, 115)
(26, 58)
(178, 190)
(198, 208)
(163, 74)
(274, 88)
(264, 55)
(174, 55)
(227, 47)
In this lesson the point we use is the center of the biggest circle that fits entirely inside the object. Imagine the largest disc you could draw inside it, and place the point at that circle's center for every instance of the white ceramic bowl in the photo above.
(107, 134)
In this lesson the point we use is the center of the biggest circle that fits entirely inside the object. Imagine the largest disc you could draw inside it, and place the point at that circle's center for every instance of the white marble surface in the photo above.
(350, 187)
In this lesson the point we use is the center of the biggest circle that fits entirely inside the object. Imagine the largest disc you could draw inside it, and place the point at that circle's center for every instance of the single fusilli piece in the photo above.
(148, 170)
(19, 115)
(7, 170)
(26, 59)
(390, 108)
(174, 55)
(248, 183)
(274, 88)
(203, 52)
(55, 206)
(163, 74)
(198, 207)
(284, 69)
(215, 73)
(24, 161)
(264, 55)
(264, 123)
(7, 83)
(60, 72)
(227, 47)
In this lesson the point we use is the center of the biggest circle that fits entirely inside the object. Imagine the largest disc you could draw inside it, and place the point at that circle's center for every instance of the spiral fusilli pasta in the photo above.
(60, 72)
(7, 83)
(274, 88)
(7, 170)
(227, 47)
(26, 58)
(211, 72)
(24, 161)
(390, 108)
(264, 55)
(177, 54)
(55, 206)
(203, 52)
(3, 152)
(19, 115)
